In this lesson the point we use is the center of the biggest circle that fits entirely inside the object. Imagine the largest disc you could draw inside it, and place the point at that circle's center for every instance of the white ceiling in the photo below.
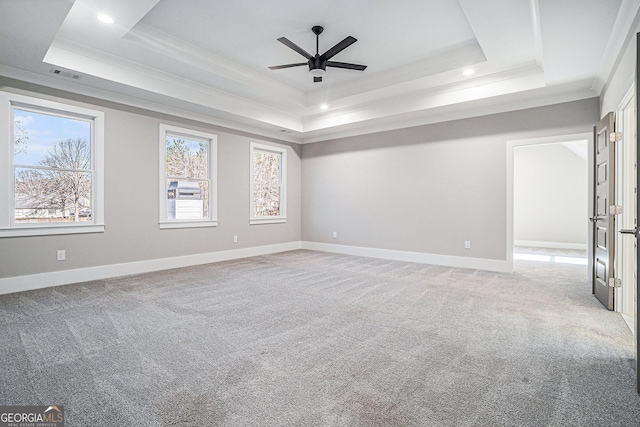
(208, 60)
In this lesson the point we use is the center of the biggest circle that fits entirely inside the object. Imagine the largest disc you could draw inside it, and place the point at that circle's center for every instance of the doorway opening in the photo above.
(548, 199)
(551, 202)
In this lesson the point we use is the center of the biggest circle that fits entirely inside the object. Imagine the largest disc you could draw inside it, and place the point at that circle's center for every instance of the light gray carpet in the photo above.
(306, 338)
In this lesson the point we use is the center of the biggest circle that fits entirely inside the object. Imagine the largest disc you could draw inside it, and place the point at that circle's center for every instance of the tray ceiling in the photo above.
(208, 60)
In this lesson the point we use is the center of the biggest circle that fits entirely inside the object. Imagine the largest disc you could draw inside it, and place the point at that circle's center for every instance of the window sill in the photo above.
(51, 230)
(187, 224)
(257, 221)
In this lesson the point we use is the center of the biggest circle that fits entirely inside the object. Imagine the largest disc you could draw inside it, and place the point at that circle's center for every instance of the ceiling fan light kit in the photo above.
(317, 72)
(318, 63)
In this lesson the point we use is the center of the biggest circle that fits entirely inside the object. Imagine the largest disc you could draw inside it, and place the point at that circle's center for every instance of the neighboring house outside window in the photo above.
(268, 184)
(55, 155)
(188, 190)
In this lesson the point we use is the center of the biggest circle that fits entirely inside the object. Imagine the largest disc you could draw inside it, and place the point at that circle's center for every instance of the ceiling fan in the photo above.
(318, 63)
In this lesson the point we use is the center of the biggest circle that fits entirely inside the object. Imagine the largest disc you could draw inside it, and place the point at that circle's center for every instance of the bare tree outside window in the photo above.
(187, 165)
(60, 183)
(187, 158)
(52, 179)
(52, 168)
(188, 188)
(266, 183)
(20, 137)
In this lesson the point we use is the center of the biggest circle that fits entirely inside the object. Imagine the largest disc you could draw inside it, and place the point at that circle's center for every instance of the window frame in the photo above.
(8, 227)
(212, 172)
(253, 220)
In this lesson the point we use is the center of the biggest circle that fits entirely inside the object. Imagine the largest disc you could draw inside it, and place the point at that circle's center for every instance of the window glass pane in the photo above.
(266, 200)
(47, 140)
(266, 168)
(187, 158)
(187, 199)
(49, 195)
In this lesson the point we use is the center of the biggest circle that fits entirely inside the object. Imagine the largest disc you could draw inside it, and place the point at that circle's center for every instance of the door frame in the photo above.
(636, 81)
(625, 178)
(511, 145)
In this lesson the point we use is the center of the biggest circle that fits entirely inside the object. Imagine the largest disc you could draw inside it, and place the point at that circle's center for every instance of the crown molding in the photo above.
(161, 105)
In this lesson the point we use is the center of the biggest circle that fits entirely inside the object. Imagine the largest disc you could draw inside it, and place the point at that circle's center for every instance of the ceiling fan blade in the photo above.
(317, 79)
(348, 41)
(279, 67)
(285, 41)
(346, 65)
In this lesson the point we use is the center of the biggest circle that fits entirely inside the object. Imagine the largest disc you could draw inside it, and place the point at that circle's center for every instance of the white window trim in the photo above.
(283, 184)
(7, 227)
(212, 221)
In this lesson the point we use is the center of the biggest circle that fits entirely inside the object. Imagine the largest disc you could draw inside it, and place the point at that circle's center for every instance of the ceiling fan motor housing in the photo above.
(316, 63)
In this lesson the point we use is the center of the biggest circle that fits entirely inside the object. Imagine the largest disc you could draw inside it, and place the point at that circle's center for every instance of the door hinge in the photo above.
(615, 283)
(615, 137)
(615, 210)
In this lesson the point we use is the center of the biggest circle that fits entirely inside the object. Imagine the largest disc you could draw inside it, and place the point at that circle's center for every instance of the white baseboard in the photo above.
(502, 266)
(551, 245)
(45, 280)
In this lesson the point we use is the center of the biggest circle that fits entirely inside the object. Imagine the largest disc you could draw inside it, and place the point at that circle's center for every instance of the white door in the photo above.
(624, 295)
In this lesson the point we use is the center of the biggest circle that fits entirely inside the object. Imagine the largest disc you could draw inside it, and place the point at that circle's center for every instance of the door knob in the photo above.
(595, 218)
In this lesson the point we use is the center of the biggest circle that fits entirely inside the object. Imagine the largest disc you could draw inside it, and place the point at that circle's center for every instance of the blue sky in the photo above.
(192, 145)
(44, 131)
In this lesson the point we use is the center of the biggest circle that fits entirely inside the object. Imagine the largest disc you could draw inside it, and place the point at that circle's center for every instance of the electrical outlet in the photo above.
(62, 255)
(235, 239)
(335, 234)
(467, 244)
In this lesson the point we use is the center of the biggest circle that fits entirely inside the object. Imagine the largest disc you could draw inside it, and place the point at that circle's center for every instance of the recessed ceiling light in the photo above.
(104, 18)
(468, 71)
(324, 107)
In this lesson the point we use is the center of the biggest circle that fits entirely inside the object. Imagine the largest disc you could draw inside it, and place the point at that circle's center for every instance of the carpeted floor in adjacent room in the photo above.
(307, 338)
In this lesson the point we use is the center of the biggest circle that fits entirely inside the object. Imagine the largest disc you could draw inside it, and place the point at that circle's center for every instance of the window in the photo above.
(54, 155)
(268, 184)
(188, 191)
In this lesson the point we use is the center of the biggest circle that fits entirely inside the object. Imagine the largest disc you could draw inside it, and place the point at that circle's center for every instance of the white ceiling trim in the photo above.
(620, 35)
(510, 102)
(397, 91)
(67, 54)
(163, 107)
(524, 78)
(519, 100)
(412, 77)
(144, 65)
(175, 49)
(536, 29)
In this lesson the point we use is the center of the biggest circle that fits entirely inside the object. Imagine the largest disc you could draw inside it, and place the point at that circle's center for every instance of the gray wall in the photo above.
(550, 185)
(425, 189)
(131, 217)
